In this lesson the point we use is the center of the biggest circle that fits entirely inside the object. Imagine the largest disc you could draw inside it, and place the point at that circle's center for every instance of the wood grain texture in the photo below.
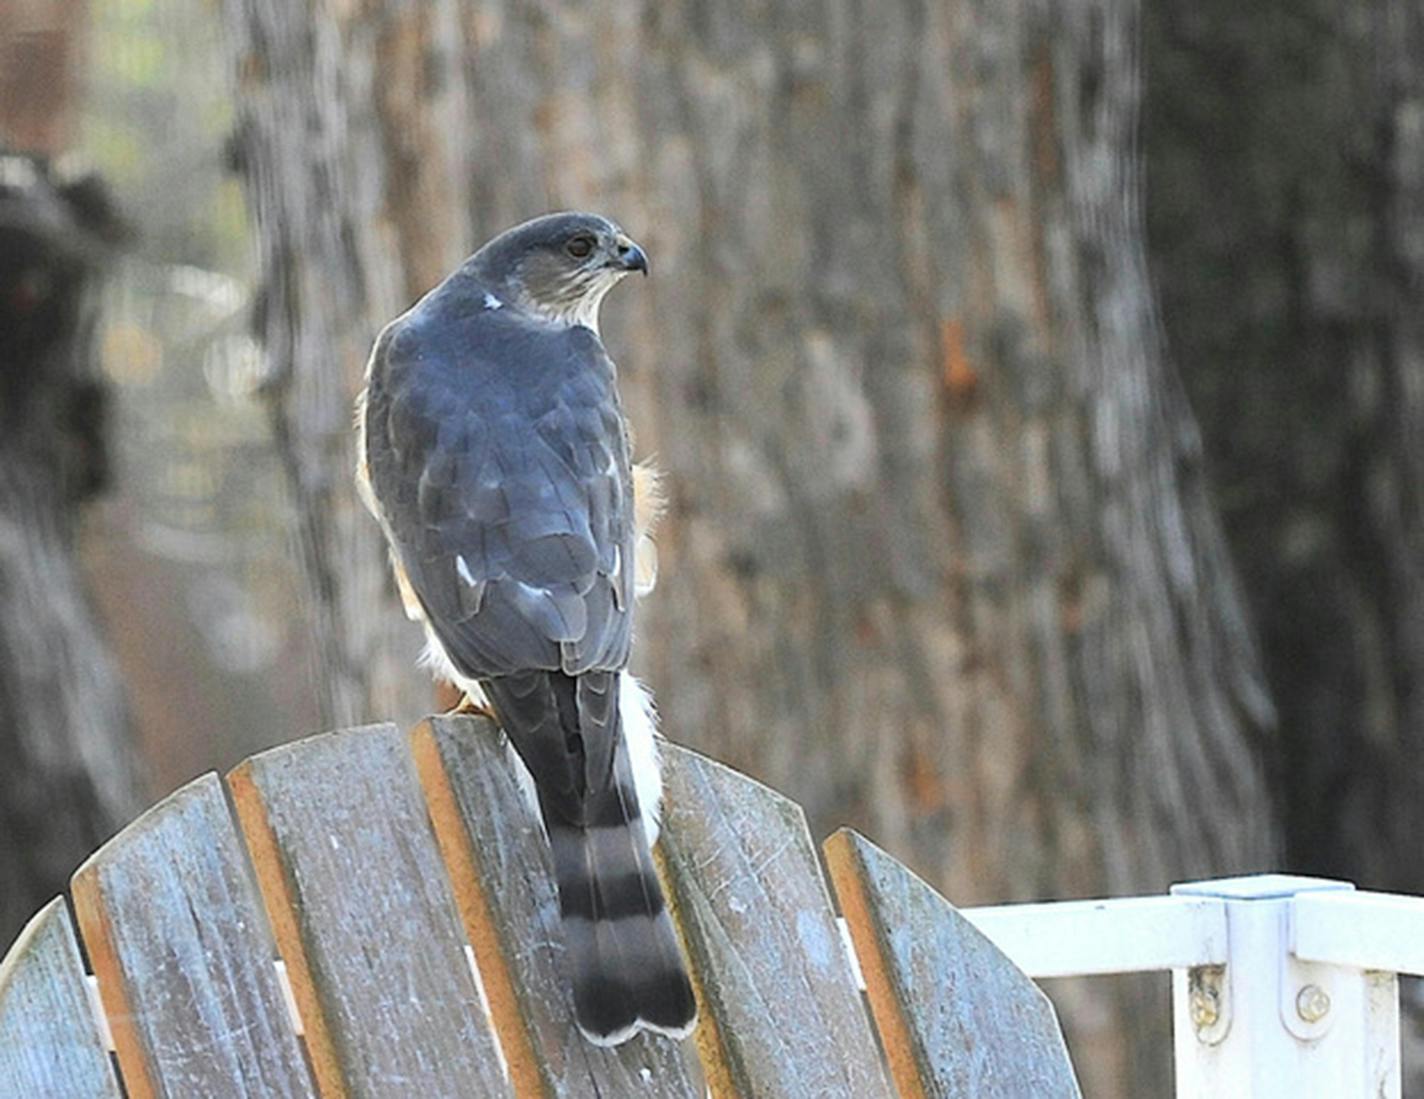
(499, 862)
(49, 1044)
(781, 1014)
(365, 918)
(176, 935)
(958, 1020)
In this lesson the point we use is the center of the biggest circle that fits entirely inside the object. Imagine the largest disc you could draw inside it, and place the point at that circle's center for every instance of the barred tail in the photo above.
(627, 971)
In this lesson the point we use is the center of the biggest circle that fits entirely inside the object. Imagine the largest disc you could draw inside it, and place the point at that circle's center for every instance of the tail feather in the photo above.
(623, 956)
(622, 951)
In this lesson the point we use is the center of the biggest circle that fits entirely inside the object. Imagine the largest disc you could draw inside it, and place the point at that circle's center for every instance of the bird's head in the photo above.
(559, 266)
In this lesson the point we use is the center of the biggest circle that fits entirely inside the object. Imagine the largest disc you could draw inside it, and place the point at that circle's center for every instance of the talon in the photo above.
(469, 707)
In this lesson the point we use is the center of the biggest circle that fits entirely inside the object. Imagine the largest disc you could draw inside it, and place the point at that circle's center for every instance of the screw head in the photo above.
(1312, 1003)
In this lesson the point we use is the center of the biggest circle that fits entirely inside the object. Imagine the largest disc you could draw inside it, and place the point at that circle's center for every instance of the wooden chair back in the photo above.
(398, 890)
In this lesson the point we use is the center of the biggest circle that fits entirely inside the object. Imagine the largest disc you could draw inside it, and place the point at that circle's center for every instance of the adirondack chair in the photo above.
(379, 920)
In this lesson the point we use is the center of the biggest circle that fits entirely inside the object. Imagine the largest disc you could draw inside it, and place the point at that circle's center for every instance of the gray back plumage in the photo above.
(497, 448)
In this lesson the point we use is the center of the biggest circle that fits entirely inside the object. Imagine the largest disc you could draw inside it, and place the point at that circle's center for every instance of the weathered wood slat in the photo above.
(499, 862)
(177, 937)
(958, 1020)
(365, 918)
(49, 1043)
(781, 1013)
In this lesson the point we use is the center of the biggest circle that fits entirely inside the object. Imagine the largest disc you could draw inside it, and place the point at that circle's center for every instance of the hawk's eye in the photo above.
(580, 247)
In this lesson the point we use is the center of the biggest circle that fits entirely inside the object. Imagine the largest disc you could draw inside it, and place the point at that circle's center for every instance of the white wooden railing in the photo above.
(1282, 986)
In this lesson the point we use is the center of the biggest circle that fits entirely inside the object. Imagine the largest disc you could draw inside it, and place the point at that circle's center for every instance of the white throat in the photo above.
(583, 310)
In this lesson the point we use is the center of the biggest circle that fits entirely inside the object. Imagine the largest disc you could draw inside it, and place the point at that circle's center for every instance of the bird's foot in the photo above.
(470, 707)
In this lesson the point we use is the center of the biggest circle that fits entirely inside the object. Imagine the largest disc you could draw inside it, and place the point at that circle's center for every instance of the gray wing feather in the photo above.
(498, 454)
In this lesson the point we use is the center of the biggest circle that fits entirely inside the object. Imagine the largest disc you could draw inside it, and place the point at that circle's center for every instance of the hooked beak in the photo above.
(628, 256)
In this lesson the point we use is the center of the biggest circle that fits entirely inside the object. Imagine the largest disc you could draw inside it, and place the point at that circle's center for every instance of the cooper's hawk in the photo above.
(495, 454)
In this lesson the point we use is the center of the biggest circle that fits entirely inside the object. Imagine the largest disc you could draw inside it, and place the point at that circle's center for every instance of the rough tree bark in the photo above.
(66, 771)
(940, 560)
(1288, 240)
(348, 136)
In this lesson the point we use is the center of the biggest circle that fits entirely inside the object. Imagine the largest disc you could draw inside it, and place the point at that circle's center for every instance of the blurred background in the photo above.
(1039, 387)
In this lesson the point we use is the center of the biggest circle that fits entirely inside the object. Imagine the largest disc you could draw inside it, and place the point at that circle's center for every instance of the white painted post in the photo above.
(1267, 1024)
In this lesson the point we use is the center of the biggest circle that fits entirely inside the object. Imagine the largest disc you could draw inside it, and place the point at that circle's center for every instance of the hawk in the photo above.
(496, 457)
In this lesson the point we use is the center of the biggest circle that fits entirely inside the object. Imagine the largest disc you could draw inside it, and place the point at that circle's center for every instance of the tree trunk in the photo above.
(348, 136)
(1307, 346)
(940, 560)
(67, 781)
